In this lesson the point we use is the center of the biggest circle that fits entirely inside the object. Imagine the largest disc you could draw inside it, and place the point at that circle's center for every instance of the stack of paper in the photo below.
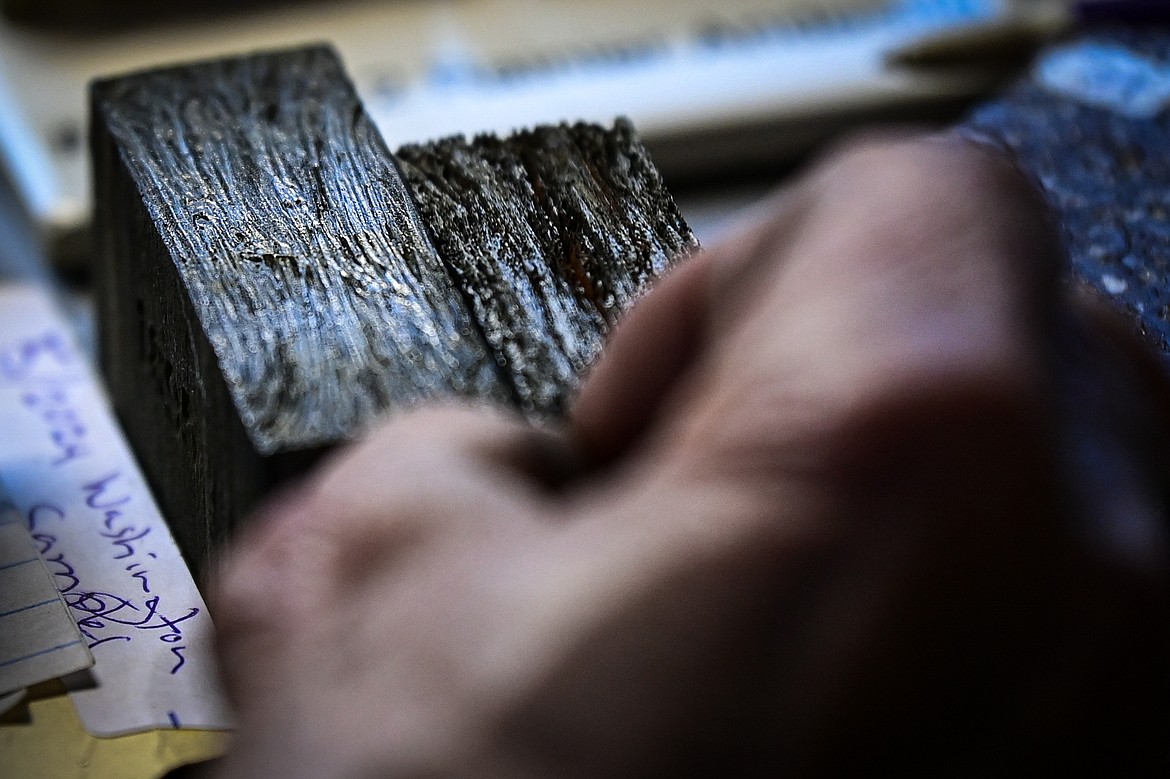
(92, 586)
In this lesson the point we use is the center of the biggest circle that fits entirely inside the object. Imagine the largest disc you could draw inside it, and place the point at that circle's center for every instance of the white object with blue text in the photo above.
(84, 502)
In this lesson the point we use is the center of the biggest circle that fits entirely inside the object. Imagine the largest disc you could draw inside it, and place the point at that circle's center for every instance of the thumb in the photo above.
(662, 336)
(650, 348)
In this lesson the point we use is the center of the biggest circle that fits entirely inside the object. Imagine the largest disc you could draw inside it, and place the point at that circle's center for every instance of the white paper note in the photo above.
(39, 640)
(100, 533)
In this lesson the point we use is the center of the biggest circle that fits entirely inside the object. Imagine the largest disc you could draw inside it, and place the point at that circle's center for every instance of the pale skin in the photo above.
(863, 486)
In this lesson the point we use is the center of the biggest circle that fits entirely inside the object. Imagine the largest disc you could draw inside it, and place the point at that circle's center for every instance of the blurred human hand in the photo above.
(864, 486)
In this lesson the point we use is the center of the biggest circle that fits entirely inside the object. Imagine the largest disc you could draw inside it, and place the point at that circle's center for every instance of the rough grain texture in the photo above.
(550, 234)
(297, 242)
(1106, 175)
(269, 281)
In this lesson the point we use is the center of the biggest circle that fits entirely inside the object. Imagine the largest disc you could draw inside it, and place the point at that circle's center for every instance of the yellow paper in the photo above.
(43, 739)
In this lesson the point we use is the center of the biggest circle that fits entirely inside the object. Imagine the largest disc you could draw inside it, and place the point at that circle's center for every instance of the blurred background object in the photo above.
(715, 89)
(88, 16)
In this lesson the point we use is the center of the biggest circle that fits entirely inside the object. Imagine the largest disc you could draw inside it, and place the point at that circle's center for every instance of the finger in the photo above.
(444, 454)
(652, 345)
(445, 470)
(902, 308)
(658, 340)
(916, 268)
(253, 602)
(1113, 399)
(454, 472)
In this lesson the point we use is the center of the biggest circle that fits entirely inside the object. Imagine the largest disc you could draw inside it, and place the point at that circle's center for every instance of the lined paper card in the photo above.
(112, 557)
(39, 639)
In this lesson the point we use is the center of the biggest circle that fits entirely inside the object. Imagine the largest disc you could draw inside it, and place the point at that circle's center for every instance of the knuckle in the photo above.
(924, 414)
(938, 173)
(264, 577)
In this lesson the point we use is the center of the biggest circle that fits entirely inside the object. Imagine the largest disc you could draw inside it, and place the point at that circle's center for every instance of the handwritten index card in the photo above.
(94, 522)
(39, 640)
